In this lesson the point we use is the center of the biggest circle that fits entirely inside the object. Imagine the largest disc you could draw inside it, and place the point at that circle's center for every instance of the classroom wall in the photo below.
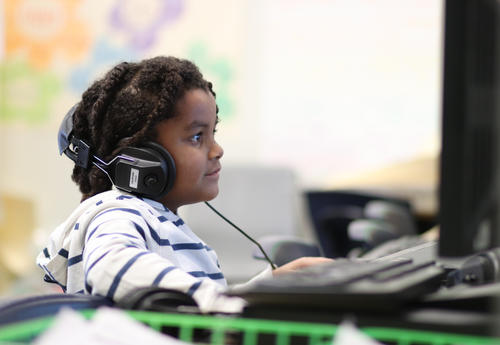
(326, 88)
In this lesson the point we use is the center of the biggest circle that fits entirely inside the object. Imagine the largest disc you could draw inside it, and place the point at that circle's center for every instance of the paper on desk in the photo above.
(348, 334)
(108, 326)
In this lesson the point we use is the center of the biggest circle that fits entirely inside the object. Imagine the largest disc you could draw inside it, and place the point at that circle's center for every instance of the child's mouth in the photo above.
(213, 173)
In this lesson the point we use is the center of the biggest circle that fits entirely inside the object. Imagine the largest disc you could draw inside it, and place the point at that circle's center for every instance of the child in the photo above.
(117, 241)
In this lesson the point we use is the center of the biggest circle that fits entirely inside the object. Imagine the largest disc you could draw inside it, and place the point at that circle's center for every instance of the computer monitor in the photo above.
(469, 192)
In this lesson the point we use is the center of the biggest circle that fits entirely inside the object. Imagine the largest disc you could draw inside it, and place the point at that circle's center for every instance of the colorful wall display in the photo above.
(60, 46)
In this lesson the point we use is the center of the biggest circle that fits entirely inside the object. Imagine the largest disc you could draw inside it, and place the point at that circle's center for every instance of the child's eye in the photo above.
(196, 138)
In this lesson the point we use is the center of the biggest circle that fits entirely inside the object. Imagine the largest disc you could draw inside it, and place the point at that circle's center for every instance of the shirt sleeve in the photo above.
(267, 273)
(117, 261)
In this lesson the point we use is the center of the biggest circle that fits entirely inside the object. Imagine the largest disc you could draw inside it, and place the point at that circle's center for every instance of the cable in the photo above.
(244, 234)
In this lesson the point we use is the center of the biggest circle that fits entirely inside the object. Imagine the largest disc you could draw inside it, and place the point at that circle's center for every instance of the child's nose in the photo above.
(217, 151)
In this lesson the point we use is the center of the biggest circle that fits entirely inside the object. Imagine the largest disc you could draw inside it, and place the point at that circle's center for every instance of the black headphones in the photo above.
(147, 170)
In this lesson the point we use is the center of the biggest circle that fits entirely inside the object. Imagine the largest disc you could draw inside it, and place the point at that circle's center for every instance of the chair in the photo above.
(31, 307)
(283, 249)
(345, 220)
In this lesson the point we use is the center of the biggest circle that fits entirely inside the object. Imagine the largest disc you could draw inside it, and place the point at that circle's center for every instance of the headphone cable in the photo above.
(244, 234)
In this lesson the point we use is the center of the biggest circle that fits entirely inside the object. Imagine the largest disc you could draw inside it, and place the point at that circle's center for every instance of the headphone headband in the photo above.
(80, 154)
(148, 170)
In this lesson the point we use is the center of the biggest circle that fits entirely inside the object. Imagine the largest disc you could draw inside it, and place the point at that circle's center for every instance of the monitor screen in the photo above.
(470, 128)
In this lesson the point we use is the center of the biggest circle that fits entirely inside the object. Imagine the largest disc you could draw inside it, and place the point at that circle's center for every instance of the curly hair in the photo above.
(123, 108)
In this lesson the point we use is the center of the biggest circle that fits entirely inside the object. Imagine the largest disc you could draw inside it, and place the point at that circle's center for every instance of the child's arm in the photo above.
(300, 263)
(117, 260)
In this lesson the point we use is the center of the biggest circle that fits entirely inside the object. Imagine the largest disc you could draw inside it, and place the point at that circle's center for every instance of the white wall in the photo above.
(327, 88)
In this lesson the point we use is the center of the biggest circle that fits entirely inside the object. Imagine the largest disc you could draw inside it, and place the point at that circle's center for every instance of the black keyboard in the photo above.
(349, 284)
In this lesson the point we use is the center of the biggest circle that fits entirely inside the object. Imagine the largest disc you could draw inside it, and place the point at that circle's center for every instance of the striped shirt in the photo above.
(115, 242)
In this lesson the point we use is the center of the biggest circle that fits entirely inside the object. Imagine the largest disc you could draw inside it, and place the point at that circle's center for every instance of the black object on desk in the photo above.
(350, 285)
(415, 300)
(414, 296)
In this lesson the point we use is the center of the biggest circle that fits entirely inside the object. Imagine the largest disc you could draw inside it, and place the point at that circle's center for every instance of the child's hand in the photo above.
(300, 263)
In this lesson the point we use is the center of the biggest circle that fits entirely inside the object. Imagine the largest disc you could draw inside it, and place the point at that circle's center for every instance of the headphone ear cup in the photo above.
(147, 170)
(169, 164)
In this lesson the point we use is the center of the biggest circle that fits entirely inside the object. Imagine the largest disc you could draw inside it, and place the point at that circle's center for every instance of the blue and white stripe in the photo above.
(115, 242)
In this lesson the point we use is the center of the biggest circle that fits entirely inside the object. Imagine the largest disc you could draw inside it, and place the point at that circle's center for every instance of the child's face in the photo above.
(189, 137)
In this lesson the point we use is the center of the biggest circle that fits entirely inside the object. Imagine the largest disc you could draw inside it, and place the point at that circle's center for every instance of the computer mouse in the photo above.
(158, 299)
